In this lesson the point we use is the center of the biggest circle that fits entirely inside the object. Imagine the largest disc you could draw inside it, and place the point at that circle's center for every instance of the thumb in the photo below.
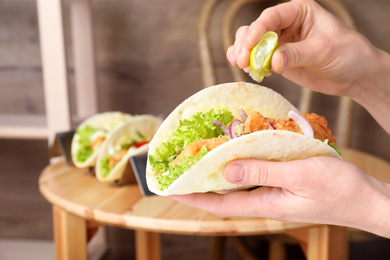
(292, 55)
(266, 173)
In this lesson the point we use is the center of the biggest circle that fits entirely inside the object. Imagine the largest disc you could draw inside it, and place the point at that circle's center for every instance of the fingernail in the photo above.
(235, 173)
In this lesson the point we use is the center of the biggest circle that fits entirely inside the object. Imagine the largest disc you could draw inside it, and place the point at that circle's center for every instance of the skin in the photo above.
(318, 52)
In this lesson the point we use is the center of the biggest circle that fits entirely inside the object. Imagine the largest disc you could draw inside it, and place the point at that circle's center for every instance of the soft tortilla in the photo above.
(145, 124)
(276, 145)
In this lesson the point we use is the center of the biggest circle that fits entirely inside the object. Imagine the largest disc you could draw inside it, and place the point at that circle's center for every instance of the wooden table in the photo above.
(78, 198)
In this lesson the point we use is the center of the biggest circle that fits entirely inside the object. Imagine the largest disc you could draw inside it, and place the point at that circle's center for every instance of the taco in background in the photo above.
(130, 139)
(227, 122)
(91, 134)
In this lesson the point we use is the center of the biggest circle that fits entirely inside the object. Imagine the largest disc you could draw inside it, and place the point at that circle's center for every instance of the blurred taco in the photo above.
(131, 138)
(226, 122)
(91, 134)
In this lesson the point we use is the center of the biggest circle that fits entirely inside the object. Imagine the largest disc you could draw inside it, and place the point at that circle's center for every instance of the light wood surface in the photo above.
(77, 192)
(373, 165)
(78, 197)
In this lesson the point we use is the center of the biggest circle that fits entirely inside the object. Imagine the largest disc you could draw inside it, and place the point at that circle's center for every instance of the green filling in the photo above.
(104, 163)
(104, 167)
(141, 136)
(197, 128)
(333, 146)
(128, 144)
(177, 169)
(84, 152)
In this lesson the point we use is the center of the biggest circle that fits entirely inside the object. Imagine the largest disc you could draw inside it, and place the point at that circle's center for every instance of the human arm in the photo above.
(319, 52)
(315, 190)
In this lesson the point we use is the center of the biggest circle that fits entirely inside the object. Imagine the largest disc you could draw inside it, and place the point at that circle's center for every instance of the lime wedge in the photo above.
(261, 54)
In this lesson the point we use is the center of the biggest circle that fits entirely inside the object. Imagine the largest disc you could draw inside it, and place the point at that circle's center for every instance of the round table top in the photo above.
(76, 191)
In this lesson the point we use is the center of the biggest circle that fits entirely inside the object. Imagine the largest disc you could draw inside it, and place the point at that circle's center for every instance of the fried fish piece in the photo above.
(257, 122)
(193, 148)
(115, 158)
(99, 140)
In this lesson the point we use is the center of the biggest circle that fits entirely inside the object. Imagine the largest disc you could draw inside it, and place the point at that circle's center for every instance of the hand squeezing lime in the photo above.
(261, 54)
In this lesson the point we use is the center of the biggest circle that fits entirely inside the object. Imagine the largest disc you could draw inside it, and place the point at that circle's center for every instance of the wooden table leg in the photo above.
(70, 235)
(148, 245)
(216, 247)
(327, 243)
(277, 250)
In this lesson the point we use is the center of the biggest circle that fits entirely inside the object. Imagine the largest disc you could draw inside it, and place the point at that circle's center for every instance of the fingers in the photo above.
(274, 174)
(239, 203)
(256, 172)
(293, 55)
(233, 51)
(211, 202)
(263, 201)
(275, 18)
(230, 55)
(286, 186)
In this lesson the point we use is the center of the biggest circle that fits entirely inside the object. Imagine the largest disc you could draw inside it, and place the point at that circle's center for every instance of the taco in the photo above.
(91, 134)
(131, 138)
(227, 122)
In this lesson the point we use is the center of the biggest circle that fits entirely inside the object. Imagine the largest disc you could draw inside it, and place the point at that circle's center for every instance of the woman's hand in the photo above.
(316, 50)
(315, 190)
(319, 52)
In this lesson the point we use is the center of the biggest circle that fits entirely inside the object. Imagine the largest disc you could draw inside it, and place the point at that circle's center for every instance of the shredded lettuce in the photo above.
(105, 162)
(85, 151)
(141, 136)
(128, 144)
(177, 169)
(104, 166)
(191, 130)
(333, 146)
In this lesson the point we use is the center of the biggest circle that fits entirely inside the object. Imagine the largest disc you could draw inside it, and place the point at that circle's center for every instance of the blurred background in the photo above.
(147, 62)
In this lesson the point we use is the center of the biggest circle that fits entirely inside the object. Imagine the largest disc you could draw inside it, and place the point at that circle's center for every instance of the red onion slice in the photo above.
(231, 128)
(223, 127)
(243, 115)
(302, 123)
(271, 126)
